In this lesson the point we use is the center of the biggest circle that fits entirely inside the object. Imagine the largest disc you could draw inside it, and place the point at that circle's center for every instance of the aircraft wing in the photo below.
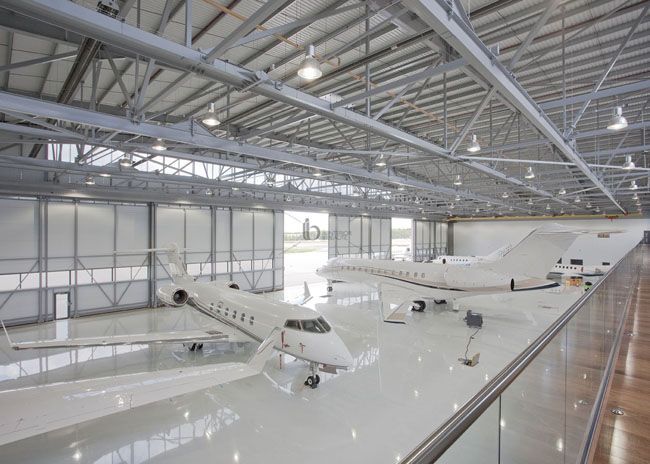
(398, 295)
(35, 410)
(127, 339)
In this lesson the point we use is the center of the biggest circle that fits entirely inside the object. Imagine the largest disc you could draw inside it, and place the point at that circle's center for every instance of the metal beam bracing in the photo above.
(87, 22)
(443, 19)
(608, 69)
(429, 72)
(20, 104)
(606, 93)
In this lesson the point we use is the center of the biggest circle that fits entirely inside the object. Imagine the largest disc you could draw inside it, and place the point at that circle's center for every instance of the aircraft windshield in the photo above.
(319, 325)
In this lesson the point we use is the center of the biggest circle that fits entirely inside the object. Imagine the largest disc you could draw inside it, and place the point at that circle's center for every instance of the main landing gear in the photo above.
(330, 286)
(418, 306)
(194, 346)
(314, 379)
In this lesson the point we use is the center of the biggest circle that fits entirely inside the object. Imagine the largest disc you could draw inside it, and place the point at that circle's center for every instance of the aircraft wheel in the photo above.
(199, 346)
(418, 306)
(440, 301)
(317, 379)
(330, 289)
(311, 381)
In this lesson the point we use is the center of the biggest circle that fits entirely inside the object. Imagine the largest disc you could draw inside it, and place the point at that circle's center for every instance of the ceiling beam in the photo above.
(446, 21)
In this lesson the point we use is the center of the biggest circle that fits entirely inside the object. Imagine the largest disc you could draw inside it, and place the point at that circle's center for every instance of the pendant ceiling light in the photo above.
(159, 145)
(529, 173)
(635, 196)
(629, 164)
(562, 191)
(633, 185)
(210, 118)
(618, 121)
(474, 145)
(504, 195)
(125, 161)
(548, 207)
(89, 180)
(381, 162)
(310, 67)
(458, 180)
(577, 200)
(457, 197)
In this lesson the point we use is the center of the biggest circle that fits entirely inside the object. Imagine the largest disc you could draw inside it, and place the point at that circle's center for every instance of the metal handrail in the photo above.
(434, 446)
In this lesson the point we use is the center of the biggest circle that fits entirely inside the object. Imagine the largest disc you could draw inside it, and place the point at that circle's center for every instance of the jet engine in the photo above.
(233, 285)
(173, 295)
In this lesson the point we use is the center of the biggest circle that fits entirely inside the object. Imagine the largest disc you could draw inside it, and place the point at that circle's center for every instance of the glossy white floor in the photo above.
(406, 381)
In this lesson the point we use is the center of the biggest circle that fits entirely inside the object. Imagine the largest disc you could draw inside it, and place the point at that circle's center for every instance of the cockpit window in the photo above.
(319, 325)
(291, 324)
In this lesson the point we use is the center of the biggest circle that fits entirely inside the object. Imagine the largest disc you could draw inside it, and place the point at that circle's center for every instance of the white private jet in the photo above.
(523, 267)
(298, 331)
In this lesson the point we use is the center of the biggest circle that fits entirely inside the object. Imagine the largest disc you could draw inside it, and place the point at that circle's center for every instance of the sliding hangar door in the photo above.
(58, 260)
(359, 237)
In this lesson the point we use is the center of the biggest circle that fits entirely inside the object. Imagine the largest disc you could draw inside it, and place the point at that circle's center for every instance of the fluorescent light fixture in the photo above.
(209, 192)
(89, 180)
(530, 201)
(529, 173)
(577, 200)
(588, 204)
(452, 206)
(104, 174)
(159, 145)
(629, 164)
(635, 196)
(504, 195)
(477, 210)
(488, 205)
(617, 122)
(474, 145)
(633, 185)
(457, 197)
(458, 180)
(401, 188)
(125, 161)
(235, 188)
(310, 67)
(562, 191)
(210, 118)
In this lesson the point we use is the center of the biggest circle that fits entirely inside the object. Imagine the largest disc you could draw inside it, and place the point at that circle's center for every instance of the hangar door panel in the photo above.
(429, 240)
(359, 237)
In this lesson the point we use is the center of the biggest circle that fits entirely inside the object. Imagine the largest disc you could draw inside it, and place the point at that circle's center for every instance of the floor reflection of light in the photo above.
(455, 407)
(41, 364)
(140, 451)
(503, 423)
(235, 457)
(559, 445)
(77, 455)
(416, 393)
(354, 434)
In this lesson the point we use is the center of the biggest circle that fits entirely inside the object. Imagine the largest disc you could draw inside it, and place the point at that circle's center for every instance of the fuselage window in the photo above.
(252, 320)
(422, 275)
(415, 274)
(234, 314)
(314, 325)
(243, 316)
(408, 274)
(605, 263)
(226, 311)
(400, 272)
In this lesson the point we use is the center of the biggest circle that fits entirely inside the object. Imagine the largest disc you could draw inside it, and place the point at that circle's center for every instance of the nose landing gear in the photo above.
(330, 286)
(314, 379)
(193, 346)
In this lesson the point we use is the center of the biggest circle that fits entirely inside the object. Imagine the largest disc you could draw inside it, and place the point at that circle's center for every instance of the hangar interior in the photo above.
(129, 127)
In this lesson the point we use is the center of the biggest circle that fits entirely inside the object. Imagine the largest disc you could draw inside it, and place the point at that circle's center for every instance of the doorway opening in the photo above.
(61, 305)
(305, 246)
(402, 239)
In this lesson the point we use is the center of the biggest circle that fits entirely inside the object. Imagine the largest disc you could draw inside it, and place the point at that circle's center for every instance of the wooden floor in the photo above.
(626, 438)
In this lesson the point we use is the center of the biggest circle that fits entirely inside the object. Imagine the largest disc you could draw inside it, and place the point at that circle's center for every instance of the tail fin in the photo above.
(176, 265)
(177, 268)
(537, 253)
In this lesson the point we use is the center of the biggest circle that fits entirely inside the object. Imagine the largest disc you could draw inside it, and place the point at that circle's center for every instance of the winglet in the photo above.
(7, 334)
(399, 315)
(307, 294)
(258, 360)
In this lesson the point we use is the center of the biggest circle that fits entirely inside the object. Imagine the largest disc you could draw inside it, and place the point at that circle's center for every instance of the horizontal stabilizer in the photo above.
(34, 410)
(126, 339)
